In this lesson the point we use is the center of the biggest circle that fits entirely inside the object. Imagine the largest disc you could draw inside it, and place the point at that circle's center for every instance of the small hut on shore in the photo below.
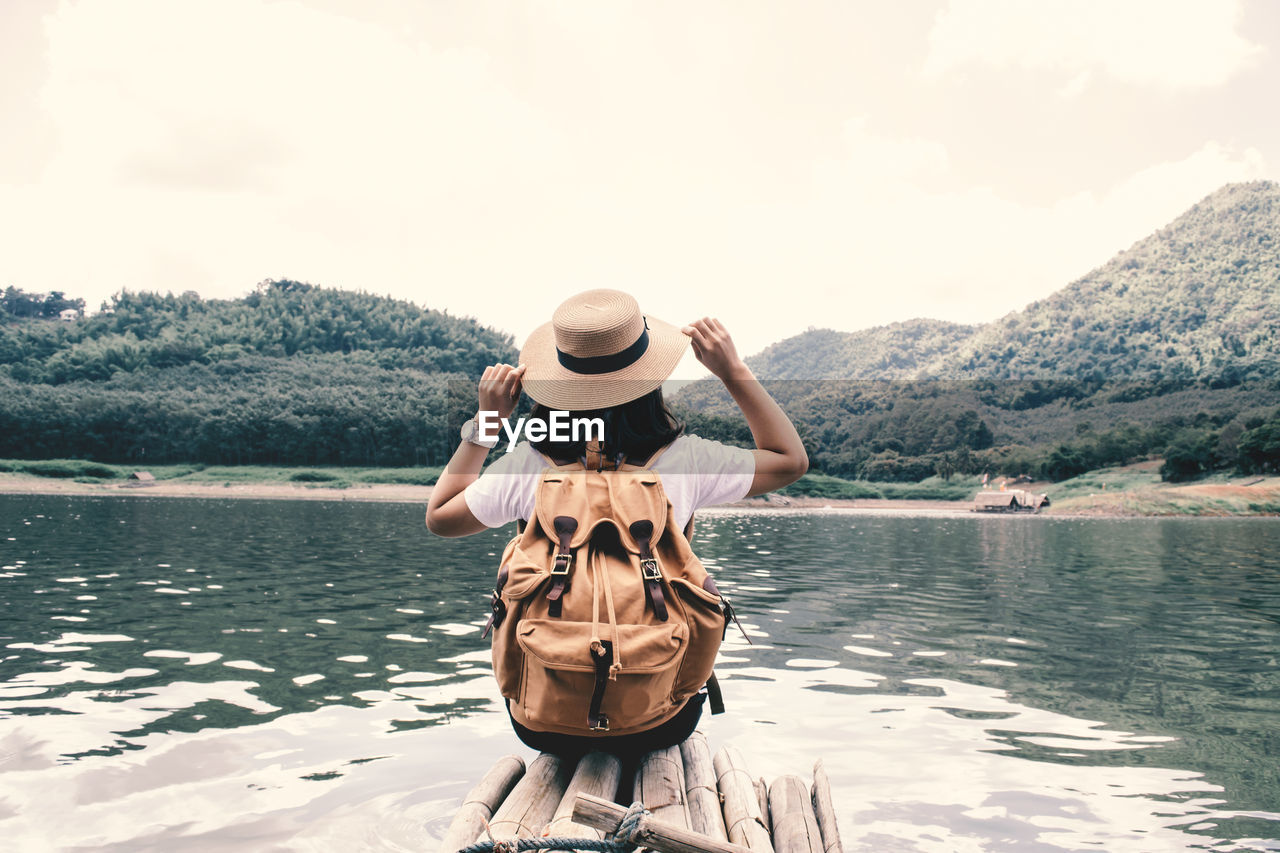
(1011, 500)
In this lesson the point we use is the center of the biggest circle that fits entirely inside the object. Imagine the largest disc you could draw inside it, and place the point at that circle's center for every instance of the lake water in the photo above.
(185, 675)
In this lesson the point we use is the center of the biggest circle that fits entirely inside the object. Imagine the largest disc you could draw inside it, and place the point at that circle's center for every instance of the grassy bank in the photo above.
(81, 471)
(932, 489)
(1137, 490)
(1133, 490)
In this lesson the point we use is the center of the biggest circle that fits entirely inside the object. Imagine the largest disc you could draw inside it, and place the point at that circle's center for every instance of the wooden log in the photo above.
(532, 803)
(795, 828)
(742, 815)
(659, 784)
(701, 796)
(598, 774)
(825, 810)
(652, 833)
(762, 795)
(481, 802)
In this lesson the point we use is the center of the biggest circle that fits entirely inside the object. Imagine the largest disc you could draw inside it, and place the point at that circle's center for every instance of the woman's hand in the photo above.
(500, 388)
(447, 510)
(714, 348)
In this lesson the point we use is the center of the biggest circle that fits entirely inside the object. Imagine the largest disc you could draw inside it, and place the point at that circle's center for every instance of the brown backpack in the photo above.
(604, 621)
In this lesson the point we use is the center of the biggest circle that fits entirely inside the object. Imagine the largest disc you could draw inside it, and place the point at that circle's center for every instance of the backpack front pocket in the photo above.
(558, 663)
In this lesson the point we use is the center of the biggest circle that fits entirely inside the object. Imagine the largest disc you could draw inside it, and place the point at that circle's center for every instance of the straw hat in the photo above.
(599, 351)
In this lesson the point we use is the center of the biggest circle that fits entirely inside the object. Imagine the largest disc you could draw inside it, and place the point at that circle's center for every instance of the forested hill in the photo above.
(137, 331)
(1172, 349)
(291, 374)
(1197, 300)
(897, 351)
(303, 375)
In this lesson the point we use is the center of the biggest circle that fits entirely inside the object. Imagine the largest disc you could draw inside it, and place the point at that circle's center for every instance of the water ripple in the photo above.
(994, 684)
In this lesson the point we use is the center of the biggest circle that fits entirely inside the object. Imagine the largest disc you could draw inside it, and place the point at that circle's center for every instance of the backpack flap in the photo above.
(621, 497)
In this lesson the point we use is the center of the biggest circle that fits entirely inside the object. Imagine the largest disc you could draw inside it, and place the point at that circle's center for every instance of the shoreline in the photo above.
(23, 484)
(1190, 500)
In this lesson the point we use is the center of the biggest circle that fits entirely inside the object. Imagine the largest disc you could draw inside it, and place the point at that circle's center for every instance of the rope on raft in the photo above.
(621, 841)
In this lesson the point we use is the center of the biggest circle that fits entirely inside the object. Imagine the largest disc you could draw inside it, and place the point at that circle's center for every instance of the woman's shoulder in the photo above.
(692, 453)
(687, 453)
(522, 459)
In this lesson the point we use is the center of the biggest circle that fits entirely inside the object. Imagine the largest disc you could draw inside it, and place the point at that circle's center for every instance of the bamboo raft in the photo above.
(695, 802)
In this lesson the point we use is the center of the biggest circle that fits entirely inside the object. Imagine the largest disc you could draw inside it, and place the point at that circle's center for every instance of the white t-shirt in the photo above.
(695, 472)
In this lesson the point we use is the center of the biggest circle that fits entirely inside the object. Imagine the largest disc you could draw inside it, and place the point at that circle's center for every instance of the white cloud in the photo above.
(892, 248)
(881, 234)
(207, 145)
(1187, 44)
(236, 140)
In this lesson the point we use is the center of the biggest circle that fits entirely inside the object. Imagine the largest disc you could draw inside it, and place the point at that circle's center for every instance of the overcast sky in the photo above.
(779, 165)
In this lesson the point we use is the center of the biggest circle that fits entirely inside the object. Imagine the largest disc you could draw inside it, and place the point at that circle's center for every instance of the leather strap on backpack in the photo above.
(565, 527)
(714, 697)
(642, 531)
(593, 456)
(602, 658)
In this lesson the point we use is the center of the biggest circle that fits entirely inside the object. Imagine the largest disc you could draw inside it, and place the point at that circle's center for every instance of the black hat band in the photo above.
(606, 363)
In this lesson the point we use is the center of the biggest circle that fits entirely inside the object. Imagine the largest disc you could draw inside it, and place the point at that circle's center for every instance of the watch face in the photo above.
(471, 433)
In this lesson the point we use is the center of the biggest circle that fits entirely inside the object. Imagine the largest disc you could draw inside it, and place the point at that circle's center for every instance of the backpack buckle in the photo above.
(560, 567)
(600, 723)
(649, 569)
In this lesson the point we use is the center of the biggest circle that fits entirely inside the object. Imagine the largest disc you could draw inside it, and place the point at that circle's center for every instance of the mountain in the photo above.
(897, 351)
(1197, 300)
(1170, 348)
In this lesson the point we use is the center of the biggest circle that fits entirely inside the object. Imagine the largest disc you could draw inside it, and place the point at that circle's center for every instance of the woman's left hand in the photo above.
(500, 388)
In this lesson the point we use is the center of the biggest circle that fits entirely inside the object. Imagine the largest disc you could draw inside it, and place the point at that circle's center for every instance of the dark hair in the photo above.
(636, 428)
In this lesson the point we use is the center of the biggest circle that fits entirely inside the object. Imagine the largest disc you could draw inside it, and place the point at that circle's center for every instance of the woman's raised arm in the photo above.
(780, 455)
(447, 510)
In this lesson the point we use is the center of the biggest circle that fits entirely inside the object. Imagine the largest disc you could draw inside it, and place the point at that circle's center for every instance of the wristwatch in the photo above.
(471, 434)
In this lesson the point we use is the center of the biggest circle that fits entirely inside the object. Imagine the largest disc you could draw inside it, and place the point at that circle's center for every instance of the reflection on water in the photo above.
(203, 675)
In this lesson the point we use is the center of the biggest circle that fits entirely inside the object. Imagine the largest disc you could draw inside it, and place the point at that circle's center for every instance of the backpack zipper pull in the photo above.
(730, 614)
(497, 608)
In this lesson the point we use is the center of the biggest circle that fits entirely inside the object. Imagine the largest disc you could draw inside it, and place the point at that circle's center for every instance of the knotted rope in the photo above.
(623, 840)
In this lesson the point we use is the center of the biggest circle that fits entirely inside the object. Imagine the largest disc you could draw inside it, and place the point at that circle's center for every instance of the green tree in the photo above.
(1259, 448)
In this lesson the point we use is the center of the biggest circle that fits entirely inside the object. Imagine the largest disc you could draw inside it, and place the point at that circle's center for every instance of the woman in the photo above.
(600, 357)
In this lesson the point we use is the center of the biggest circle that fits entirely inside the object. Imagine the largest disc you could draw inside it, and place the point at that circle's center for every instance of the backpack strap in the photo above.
(715, 698)
(565, 526)
(594, 457)
(642, 532)
(601, 658)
